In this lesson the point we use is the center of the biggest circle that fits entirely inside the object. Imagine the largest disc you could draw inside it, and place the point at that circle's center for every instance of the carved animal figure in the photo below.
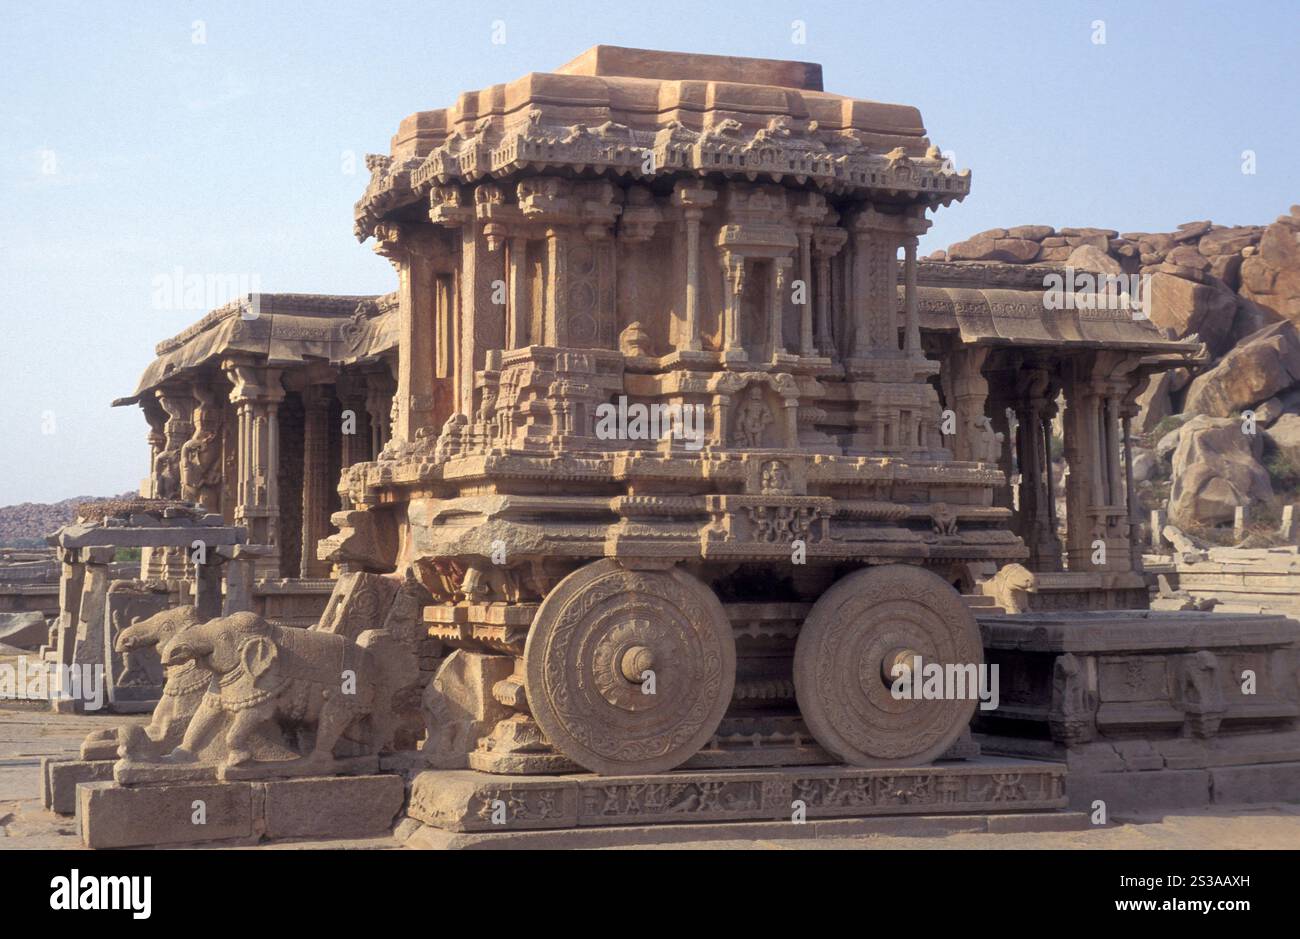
(1010, 587)
(182, 693)
(316, 686)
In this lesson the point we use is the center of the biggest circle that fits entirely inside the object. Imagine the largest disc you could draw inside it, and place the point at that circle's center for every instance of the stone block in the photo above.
(1128, 794)
(60, 778)
(110, 815)
(344, 807)
(1265, 782)
(113, 816)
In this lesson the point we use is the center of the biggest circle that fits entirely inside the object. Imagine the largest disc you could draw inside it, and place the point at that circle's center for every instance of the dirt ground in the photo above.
(29, 731)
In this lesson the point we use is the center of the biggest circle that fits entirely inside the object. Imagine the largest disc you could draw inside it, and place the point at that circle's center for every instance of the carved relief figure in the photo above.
(752, 419)
(181, 695)
(200, 462)
(635, 340)
(776, 477)
(313, 686)
(166, 474)
(986, 444)
(1010, 587)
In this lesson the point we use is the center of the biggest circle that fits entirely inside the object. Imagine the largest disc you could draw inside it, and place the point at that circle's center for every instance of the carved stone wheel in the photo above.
(853, 636)
(598, 640)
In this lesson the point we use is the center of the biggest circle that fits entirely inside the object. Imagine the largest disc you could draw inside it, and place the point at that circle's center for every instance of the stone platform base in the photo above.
(469, 801)
(59, 780)
(1136, 777)
(114, 816)
(428, 838)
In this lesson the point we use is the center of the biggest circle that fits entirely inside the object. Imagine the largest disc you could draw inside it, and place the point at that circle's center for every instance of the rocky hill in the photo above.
(1226, 433)
(27, 524)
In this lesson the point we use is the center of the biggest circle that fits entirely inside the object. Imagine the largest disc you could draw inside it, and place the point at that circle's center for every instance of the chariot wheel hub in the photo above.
(629, 671)
(856, 634)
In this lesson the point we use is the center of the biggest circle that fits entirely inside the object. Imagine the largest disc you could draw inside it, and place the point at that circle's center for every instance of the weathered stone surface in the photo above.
(460, 708)
(1285, 435)
(1154, 404)
(113, 816)
(1144, 464)
(343, 807)
(985, 247)
(1271, 278)
(1264, 365)
(1215, 470)
(1269, 411)
(1090, 232)
(1186, 308)
(1031, 232)
(428, 838)
(1191, 231)
(1224, 241)
(60, 778)
(1251, 318)
(1168, 443)
(1187, 256)
(27, 630)
(463, 800)
(1090, 258)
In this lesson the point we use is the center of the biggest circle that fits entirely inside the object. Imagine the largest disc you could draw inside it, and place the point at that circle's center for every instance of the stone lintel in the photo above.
(150, 537)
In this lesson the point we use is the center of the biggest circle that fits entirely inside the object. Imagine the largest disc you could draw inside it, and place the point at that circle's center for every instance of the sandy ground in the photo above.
(29, 731)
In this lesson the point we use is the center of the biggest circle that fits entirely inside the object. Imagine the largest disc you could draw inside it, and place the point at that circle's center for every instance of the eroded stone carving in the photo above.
(306, 689)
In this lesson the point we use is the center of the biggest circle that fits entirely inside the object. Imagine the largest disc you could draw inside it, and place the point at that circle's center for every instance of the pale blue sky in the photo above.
(228, 157)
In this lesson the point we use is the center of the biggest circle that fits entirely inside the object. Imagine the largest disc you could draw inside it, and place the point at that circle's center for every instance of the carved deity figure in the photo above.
(200, 463)
(752, 418)
(166, 474)
(776, 477)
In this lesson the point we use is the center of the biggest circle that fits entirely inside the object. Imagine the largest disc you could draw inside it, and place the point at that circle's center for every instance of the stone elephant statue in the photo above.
(310, 687)
(182, 691)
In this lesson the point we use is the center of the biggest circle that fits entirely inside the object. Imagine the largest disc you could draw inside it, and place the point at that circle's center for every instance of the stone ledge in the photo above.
(428, 838)
(465, 800)
(114, 816)
(60, 778)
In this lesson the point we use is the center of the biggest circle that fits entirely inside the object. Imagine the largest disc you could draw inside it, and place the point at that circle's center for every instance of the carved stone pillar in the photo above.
(733, 267)
(178, 404)
(780, 277)
(1037, 500)
(517, 327)
(257, 394)
(912, 329)
(380, 389)
(827, 242)
(1082, 454)
(316, 479)
(411, 249)
(693, 200)
(554, 324)
(859, 300)
(807, 344)
(354, 433)
(966, 391)
(201, 463)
